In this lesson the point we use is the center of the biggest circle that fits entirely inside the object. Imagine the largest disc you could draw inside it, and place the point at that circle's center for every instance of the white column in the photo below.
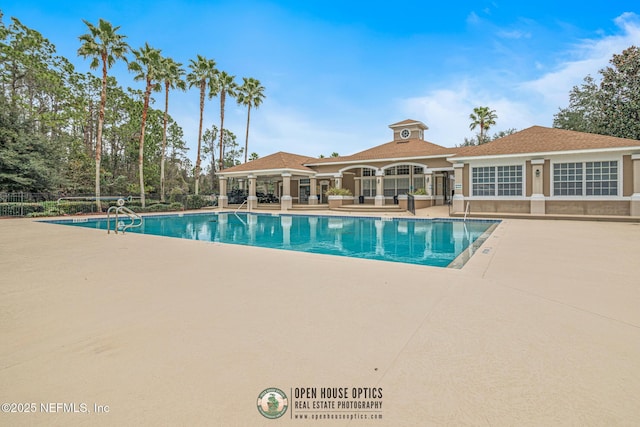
(458, 187)
(338, 180)
(285, 200)
(223, 200)
(537, 193)
(428, 183)
(379, 201)
(313, 194)
(252, 199)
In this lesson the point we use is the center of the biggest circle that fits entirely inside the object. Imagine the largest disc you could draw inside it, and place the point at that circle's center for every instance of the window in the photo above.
(397, 180)
(509, 180)
(389, 187)
(369, 187)
(497, 181)
(368, 172)
(602, 178)
(418, 182)
(397, 170)
(483, 181)
(402, 185)
(585, 179)
(567, 179)
(402, 170)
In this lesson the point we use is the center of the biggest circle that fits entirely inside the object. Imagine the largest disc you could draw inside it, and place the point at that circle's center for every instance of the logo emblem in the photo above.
(272, 403)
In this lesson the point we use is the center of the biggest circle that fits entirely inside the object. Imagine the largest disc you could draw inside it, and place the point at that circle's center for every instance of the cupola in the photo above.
(408, 129)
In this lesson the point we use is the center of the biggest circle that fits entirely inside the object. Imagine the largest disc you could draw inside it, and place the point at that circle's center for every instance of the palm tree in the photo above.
(202, 72)
(171, 74)
(147, 66)
(103, 45)
(223, 84)
(251, 94)
(484, 118)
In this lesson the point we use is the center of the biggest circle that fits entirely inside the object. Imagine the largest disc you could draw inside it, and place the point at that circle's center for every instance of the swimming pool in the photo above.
(432, 242)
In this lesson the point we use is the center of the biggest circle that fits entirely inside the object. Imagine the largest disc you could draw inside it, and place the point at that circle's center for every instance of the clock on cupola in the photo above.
(408, 129)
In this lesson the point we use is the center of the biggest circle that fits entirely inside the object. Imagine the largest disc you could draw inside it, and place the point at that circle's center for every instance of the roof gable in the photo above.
(276, 161)
(393, 150)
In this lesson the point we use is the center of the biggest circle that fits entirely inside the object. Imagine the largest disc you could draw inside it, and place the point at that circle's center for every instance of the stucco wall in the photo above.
(348, 181)
(528, 177)
(627, 176)
(503, 206)
(465, 180)
(588, 207)
(547, 178)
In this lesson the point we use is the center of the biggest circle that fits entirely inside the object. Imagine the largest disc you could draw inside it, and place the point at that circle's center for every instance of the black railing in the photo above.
(411, 204)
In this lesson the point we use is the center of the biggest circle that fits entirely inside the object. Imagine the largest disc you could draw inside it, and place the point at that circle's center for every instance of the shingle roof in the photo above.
(539, 139)
(393, 150)
(277, 161)
(408, 122)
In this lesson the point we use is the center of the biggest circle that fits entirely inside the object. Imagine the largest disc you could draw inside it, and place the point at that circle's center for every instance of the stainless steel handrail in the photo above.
(120, 209)
(238, 216)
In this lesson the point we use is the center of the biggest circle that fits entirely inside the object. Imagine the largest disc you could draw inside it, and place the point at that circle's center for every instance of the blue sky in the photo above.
(337, 73)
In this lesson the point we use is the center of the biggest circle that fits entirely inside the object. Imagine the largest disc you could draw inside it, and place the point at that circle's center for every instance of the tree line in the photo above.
(76, 133)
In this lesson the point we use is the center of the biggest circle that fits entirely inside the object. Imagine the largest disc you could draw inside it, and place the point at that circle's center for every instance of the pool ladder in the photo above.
(136, 220)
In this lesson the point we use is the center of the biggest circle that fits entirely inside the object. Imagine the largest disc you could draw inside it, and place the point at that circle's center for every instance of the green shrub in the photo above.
(333, 191)
(158, 207)
(196, 201)
(76, 207)
(48, 212)
(175, 194)
(419, 192)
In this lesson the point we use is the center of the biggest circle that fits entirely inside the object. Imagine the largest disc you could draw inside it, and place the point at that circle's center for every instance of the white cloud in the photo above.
(280, 128)
(473, 18)
(514, 34)
(517, 104)
(590, 56)
(446, 113)
(313, 129)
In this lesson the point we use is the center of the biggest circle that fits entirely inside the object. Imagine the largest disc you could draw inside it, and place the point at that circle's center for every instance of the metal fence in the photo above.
(51, 204)
(24, 204)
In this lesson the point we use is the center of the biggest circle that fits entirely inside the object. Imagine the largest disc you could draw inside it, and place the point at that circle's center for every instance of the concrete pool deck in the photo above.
(541, 327)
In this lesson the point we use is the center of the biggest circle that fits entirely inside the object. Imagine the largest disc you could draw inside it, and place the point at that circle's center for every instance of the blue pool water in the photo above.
(433, 242)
